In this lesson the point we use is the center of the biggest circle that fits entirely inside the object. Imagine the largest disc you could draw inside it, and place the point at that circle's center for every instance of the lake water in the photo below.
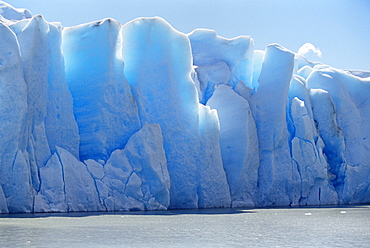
(274, 227)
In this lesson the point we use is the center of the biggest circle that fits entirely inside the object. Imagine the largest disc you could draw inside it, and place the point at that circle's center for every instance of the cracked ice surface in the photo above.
(111, 117)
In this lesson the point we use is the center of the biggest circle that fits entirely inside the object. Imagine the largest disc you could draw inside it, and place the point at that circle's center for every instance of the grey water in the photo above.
(344, 226)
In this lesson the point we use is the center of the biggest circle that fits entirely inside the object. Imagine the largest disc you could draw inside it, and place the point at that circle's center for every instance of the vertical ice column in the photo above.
(307, 154)
(33, 41)
(221, 61)
(60, 124)
(268, 106)
(50, 121)
(33, 38)
(213, 189)
(326, 121)
(13, 109)
(44, 69)
(314, 185)
(257, 67)
(239, 145)
(104, 107)
(347, 107)
(350, 97)
(158, 67)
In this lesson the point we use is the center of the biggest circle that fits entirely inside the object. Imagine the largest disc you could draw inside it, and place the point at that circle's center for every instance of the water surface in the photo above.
(274, 227)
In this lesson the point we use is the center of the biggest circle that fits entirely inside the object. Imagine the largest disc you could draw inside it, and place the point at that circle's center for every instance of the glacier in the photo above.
(110, 117)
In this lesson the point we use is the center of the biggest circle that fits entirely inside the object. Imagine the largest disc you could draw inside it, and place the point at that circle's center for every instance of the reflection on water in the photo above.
(285, 227)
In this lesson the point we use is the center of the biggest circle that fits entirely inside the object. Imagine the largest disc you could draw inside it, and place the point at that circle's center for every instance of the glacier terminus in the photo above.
(110, 117)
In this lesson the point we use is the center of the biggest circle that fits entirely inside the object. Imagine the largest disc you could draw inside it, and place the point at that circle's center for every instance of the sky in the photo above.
(338, 29)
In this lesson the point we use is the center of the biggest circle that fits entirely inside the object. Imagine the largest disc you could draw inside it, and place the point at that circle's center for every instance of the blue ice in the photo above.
(111, 117)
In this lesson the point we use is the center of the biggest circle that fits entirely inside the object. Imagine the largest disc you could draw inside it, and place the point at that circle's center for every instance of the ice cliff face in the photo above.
(111, 117)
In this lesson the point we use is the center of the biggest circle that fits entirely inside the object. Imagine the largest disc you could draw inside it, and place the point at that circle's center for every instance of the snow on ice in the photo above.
(111, 117)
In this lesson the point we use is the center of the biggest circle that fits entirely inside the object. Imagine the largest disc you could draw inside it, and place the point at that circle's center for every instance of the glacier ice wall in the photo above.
(111, 117)
(102, 88)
